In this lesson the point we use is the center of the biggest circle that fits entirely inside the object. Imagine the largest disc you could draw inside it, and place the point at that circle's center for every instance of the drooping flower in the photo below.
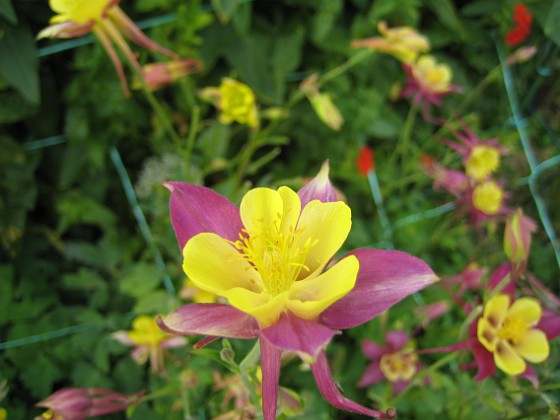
(82, 403)
(322, 103)
(149, 341)
(522, 18)
(427, 83)
(108, 23)
(158, 75)
(488, 197)
(507, 329)
(365, 161)
(451, 180)
(395, 362)
(481, 158)
(270, 258)
(403, 42)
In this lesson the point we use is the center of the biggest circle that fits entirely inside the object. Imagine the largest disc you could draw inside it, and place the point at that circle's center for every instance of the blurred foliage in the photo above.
(74, 255)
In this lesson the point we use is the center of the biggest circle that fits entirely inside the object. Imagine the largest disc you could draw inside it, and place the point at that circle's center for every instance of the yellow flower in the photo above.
(404, 43)
(146, 332)
(399, 366)
(507, 331)
(277, 263)
(3, 413)
(487, 197)
(432, 76)
(237, 103)
(79, 11)
(482, 161)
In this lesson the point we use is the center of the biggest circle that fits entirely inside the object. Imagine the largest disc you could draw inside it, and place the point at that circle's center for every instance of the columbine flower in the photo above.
(270, 259)
(148, 341)
(82, 403)
(404, 43)
(107, 22)
(237, 103)
(508, 331)
(394, 362)
(481, 158)
(365, 161)
(428, 82)
(158, 75)
(450, 180)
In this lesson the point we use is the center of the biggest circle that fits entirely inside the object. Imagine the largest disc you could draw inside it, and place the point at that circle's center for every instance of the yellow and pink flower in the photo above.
(271, 258)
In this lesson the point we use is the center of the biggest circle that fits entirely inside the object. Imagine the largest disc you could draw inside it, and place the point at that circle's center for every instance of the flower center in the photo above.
(398, 366)
(513, 330)
(483, 160)
(278, 256)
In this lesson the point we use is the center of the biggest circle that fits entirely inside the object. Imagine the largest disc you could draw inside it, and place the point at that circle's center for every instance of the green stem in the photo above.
(195, 121)
(404, 140)
(246, 155)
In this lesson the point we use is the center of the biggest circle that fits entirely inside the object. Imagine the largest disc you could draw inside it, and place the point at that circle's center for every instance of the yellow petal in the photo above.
(507, 359)
(486, 334)
(264, 307)
(495, 310)
(291, 209)
(308, 298)
(216, 266)
(261, 212)
(525, 309)
(327, 225)
(533, 346)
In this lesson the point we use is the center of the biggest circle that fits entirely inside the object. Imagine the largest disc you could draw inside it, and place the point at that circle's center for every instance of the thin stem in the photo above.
(404, 140)
(193, 130)
(383, 219)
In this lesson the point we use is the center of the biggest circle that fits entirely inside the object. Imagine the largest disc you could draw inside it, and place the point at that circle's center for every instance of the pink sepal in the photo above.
(210, 319)
(372, 375)
(305, 337)
(330, 392)
(531, 375)
(270, 363)
(195, 209)
(372, 350)
(498, 275)
(549, 324)
(385, 278)
(319, 188)
(396, 340)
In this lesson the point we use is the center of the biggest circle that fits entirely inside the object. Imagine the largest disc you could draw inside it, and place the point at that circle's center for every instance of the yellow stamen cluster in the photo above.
(488, 197)
(482, 161)
(399, 366)
(278, 256)
(237, 103)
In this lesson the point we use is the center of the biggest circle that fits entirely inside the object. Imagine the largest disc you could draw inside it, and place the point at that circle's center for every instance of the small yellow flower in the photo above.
(79, 11)
(482, 161)
(433, 76)
(3, 413)
(404, 43)
(237, 103)
(487, 197)
(146, 332)
(399, 366)
(508, 332)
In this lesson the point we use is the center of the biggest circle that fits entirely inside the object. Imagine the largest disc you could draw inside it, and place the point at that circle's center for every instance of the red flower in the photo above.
(522, 18)
(365, 160)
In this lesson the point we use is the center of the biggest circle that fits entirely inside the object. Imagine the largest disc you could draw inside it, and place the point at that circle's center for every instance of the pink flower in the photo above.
(81, 403)
(393, 362)
(271, 258)
(158, 75)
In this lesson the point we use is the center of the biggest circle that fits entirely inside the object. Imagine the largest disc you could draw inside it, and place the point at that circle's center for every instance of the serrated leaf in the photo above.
(19, 60)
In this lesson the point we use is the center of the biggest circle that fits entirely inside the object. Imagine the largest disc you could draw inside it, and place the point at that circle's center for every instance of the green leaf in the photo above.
(551, 27)
(226, 8)
(7, 10)
(84, 279)
(19, 60)
(142, 279)
(445, 11)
